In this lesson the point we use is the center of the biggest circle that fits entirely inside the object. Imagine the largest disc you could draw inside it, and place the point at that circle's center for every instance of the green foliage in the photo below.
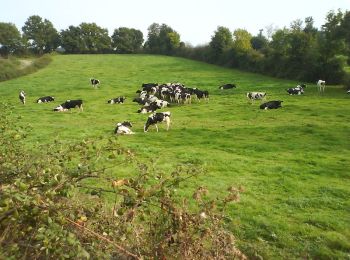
(126, 40)
(95, 39)
(13, 68)
(41, 35)
(10, 38)
(162, 39)
(220, 42)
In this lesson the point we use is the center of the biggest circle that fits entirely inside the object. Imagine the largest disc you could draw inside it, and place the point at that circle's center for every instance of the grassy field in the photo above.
(292, 162)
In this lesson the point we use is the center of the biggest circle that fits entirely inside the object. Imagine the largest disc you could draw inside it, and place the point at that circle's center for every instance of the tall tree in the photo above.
(126, 40)
(10, 38)
(42, 36)
(162, 39)
(242, 40)
(221, 41)
(71, 40)
(95, 38)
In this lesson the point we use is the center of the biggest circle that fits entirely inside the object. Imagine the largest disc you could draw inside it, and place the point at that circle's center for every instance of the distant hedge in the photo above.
(11, 68)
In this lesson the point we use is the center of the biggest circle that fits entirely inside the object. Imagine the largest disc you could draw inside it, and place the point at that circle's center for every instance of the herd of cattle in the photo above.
(154, 96)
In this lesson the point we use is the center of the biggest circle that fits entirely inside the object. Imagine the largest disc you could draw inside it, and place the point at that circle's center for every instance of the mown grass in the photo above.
(292, 162)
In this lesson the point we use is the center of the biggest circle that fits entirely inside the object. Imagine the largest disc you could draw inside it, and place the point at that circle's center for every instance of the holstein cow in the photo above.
(271, 104)
(70, 104)
(156, 118)
(256, 95)
(94, 82)
(348, 91)
(321, 85)
(123, 128)
(45, 99)
(227, 86)
(22, 97)
(118, 100)
(298, 90)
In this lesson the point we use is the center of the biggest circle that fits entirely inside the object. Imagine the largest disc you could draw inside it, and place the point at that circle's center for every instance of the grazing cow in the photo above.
(348, 91)
(256, 95)
(70, 104)
(45, 99)
(118, 100)
(201, 94)
(123, 128)
(94, 82)
(321, 85)
(271, 104)
(22, 97)
(227, 86)
(156, 118)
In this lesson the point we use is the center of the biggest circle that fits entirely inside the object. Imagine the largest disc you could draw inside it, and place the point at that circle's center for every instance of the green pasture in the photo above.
(293, 162)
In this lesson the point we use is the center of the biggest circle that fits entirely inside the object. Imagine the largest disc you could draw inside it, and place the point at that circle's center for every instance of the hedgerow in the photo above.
(49, 209)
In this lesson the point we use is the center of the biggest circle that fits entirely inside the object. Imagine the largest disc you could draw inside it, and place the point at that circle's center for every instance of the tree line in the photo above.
(300, 51)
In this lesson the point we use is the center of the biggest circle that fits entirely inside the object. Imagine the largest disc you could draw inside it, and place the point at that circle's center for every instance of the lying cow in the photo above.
(256, 95)
(271, 104)
(94, 82)
(298, 90)
(118, 100)
(22, 97)
(123, 128)
(148, 109)
(45, 99)
(70, 104)
(227, 86)
(156, 118)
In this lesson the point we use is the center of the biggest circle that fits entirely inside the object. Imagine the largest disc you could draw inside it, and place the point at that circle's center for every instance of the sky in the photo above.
(195, 20)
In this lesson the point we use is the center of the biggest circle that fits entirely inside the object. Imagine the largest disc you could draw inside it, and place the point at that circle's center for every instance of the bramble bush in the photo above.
(49, 209)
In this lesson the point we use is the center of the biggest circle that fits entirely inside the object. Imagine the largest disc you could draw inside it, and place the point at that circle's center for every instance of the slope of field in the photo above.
(293, 162)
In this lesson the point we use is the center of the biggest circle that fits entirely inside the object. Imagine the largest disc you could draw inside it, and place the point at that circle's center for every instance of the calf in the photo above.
(271, 104)
(45, 99)
(123, 128)
(256, 95)
(321, 85)
(227, 86)
(156, 118)
(70, 104)
(22, 97)
(118, 100)
(94, 82)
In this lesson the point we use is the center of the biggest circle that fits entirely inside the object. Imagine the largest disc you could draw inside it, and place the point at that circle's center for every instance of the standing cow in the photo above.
(94, 82)
(321, 85)
(22, 97)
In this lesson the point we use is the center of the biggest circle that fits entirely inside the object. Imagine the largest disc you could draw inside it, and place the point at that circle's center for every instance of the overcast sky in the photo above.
(195, 21)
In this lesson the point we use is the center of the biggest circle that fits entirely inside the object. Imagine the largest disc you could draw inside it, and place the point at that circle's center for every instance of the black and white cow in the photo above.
(298, 90)
(201, 94)
(70, 104)
(118, 100)
(156, 118)
(45, 99)
(94, 82)
(256, 95)
(148, 109)
(123, 128)
(22, 97)
(227, 86)
(271, 104)
(348, 91)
